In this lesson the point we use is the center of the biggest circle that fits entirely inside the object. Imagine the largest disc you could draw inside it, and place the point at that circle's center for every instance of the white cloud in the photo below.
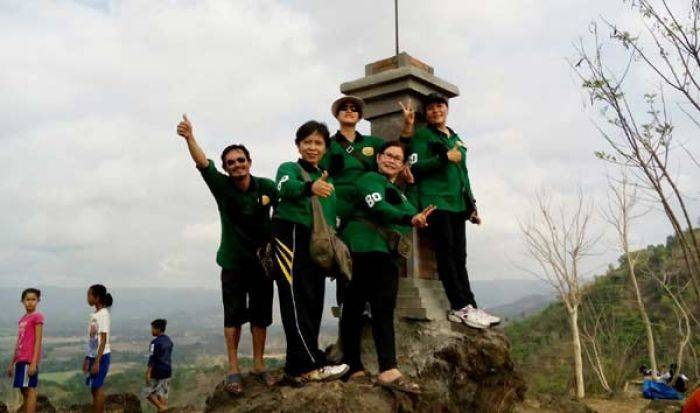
(94, 184)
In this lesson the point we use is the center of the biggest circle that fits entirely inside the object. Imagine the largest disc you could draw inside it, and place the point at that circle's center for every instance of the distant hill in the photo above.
(523, 307)
(194, 309)
(541, 343)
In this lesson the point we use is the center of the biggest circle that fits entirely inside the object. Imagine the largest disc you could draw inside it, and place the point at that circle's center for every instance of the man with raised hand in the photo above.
(244, 202)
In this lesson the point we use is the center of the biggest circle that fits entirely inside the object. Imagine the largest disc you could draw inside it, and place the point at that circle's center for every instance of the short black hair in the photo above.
(434, 98)
(159, 324)
(31, 291)
(311, 127)
(394, 143)
(234, 147)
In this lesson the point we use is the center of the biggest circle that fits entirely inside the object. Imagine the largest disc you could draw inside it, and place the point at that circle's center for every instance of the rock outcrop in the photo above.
(459, 369)
(114, 403)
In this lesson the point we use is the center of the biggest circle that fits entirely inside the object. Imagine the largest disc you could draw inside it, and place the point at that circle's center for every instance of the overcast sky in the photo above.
(96, 186)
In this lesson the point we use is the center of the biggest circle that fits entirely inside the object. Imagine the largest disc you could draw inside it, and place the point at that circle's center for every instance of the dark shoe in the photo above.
(264, 377)
(234, 384)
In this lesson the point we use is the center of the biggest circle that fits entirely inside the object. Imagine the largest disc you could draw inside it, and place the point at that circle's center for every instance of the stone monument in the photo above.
(386, 82)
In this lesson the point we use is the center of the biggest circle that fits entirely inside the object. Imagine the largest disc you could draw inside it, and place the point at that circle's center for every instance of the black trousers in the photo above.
(446, 230)
(375, 279)
(300, 286)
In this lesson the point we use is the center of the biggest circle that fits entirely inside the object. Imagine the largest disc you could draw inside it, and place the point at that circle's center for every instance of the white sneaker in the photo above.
(493, 320)
(327, 373)
(474, 318)
(455, 316)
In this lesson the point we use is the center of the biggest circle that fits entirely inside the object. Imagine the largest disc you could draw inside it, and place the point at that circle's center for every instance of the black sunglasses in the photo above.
(241, 159)
(348, 108)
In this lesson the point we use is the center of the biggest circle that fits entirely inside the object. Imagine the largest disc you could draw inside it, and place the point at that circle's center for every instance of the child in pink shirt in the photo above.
(24, 365)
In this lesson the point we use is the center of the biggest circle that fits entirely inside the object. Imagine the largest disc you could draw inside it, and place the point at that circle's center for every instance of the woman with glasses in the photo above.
(439, 164)
(381, 213)
(300, 281)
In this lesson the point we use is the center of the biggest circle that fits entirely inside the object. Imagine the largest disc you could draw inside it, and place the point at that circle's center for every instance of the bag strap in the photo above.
(383, 231)
(319, 219)
(350, 150)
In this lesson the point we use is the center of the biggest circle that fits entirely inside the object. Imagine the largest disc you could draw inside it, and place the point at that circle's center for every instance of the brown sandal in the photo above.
(401, 384)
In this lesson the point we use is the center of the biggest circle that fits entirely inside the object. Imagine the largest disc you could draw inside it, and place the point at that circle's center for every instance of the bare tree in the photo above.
(683, 318)
(557, 241)
(642, 145)
(607, 351)
(622, 199)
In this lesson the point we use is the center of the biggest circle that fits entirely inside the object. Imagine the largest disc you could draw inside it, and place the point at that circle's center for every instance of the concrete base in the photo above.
(421, 299)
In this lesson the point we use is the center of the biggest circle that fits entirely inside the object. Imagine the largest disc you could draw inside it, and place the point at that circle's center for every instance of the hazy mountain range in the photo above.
(199, 310)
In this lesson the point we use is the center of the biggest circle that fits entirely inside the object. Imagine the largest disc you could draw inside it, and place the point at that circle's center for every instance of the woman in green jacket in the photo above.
(381, 212)
(438, 159)
(300, 281)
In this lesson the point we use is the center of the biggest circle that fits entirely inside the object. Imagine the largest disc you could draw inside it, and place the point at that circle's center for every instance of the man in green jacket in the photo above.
(438, 159)
(244, 202)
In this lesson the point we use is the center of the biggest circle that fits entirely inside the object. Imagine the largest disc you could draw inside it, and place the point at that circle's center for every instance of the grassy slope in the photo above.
(541, 344)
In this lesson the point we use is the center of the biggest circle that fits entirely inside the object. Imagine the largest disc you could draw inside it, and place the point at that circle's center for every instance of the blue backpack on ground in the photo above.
(656, 390)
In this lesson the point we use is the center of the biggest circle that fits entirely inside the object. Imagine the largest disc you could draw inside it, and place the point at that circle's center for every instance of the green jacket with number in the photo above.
(439, 182)
(245, 216)
(382, 203)
(295, 194)
(346, 165)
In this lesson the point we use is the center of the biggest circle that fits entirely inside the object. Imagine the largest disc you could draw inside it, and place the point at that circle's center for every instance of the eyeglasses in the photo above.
(348, 108)
(234, 161)
(395, 158)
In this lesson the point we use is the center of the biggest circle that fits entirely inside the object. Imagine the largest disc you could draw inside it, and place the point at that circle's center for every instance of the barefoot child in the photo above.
(96, 364)
(159, 366)
(24, 365)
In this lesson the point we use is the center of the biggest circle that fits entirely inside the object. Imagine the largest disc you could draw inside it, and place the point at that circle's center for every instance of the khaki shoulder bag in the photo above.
(326, 248)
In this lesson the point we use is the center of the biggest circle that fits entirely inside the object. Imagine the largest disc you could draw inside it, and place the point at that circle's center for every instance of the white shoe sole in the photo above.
(337, 375)
(454, 318)
(475, 325)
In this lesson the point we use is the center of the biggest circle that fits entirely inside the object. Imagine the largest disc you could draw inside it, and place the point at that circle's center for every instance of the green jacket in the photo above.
(245, 216)
(295, 194)
(345, 168)
(382, 203)
(439, 182)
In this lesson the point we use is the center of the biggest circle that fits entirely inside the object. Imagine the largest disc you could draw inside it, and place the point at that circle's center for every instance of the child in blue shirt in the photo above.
(159, 368)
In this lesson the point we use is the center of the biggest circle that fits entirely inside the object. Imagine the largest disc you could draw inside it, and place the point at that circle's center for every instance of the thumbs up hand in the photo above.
(454, 154)
(321, 187)
(184, 128)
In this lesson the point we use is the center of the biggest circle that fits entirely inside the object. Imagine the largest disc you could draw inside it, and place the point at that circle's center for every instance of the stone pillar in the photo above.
(386, 82)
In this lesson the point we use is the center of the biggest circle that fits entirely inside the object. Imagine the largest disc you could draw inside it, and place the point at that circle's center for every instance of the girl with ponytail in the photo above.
(96, 364)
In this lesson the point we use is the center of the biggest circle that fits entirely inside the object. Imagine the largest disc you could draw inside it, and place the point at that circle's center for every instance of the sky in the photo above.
(95, 186)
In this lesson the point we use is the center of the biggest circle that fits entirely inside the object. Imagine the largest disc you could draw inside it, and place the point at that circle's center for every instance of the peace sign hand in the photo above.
(409, 114)
(420, 220)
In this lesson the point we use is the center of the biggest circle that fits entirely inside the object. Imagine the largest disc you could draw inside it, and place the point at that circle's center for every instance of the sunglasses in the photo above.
(234, 161)
(349, 108)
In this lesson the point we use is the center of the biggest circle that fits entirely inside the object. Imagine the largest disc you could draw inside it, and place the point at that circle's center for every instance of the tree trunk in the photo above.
(651, 347)
(578, 355)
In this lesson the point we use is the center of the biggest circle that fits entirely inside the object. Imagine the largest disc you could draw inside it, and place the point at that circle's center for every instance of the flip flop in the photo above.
(264, 377)
(401, 384)
(234, 383)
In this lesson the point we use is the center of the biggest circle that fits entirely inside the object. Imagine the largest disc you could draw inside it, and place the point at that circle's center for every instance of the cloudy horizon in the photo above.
(97, 187)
